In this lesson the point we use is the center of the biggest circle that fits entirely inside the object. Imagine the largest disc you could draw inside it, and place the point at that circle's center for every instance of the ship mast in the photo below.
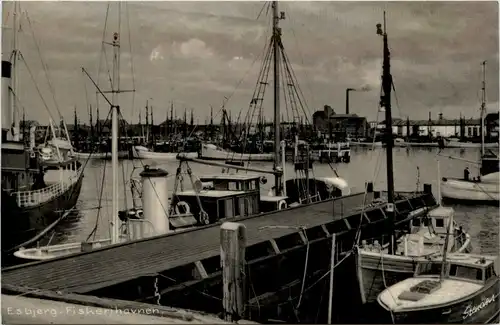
(276, 57)
(115, 89)
(14, 127)
(385, 101)
(483, 106)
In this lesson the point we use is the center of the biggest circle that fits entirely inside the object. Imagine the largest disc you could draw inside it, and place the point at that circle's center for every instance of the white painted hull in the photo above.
(457, 144)
(457, 189)
(376, 144)
(140, 153)
(211, 152)
(416, 144)
(53, 251)
(98, 155)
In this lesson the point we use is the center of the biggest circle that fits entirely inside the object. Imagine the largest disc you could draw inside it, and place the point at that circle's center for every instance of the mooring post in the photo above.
(232, 254)
(332, 267)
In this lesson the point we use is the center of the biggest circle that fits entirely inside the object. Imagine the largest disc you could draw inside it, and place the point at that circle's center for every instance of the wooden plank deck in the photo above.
(47, 307)
(88, 271)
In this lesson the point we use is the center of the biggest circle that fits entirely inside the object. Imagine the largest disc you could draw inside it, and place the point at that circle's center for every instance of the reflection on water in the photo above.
(413, 167)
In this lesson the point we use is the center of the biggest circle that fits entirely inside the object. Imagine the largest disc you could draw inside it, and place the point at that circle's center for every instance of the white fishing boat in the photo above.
(459, 144)
(377, 268)
(98, 155)
(447, 289)
(482, 189)
(141, 152)
(212, 152)
(485, 187)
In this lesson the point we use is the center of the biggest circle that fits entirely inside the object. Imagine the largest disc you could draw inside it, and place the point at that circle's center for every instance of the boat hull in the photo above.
(99, 155)
(377, 272)
(470, 191)
(213, 153)
(457, 144)
(147, 154)
(21, 224)
(480, 308)
(53, 251)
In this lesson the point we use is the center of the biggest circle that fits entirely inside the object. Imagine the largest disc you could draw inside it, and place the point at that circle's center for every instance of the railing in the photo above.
(38, 197)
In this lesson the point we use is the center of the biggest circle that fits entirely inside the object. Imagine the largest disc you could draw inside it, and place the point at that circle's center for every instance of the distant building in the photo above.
(350, 125)
(465, 127)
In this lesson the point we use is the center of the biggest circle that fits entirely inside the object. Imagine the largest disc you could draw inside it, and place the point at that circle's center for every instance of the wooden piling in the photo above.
(232, 245)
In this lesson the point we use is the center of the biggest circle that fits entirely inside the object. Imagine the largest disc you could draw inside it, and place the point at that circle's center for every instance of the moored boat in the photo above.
(212, 152)
(485, 187)
(141, 152)
(464, 289)
(378, 269)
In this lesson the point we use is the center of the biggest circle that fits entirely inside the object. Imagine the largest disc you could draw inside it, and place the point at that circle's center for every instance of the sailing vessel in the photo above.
(127, 224)
(485, 187)
(302, 188)
(30, 201)
(421, 233)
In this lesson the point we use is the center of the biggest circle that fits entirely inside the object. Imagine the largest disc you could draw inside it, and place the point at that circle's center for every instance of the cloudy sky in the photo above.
(196, 53)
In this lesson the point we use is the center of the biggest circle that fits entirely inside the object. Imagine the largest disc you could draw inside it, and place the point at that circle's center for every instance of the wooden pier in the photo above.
(287, 252)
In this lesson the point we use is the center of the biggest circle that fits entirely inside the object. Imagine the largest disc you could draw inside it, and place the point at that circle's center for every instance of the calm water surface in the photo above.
(412, 167)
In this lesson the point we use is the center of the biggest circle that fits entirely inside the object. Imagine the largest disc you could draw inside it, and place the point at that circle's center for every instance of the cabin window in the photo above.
(474, 132)
(429, 269)
(469, 131)
(466, 272)
(241, 206)
(489, 272)
(439, 222)
(416, 222)
(249, 205)
(252, 185)
(233, 186)
(229, 208)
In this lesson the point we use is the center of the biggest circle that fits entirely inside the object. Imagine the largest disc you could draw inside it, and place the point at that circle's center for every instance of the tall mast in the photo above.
(15, 82)
(483, 106)
(385, 101)
(147, 120)
(152, 129)
(114, 128)
(276, 56)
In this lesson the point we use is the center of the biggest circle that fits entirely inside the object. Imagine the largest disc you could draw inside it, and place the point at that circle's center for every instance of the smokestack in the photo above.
(7, 118)
(155, 200)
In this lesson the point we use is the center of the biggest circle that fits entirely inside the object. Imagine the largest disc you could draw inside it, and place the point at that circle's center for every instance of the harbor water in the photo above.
(412, 168)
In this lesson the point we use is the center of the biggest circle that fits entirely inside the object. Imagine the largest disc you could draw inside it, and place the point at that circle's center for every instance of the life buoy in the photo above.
(282, 205)
(204, 218)
(184, 206)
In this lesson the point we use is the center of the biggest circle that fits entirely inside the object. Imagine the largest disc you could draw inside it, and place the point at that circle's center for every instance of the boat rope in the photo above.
(42, 233)
(44, 66)
(157, 293)
(303, 230)
(385, 285)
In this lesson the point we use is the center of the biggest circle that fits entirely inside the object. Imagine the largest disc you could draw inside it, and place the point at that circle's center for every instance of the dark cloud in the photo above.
(195, 53)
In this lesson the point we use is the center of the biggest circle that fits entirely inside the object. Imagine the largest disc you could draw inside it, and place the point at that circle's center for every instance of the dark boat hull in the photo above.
(22, 224)
(481, 308)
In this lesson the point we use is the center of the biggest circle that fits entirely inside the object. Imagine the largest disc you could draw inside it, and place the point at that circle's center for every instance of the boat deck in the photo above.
(88, 271)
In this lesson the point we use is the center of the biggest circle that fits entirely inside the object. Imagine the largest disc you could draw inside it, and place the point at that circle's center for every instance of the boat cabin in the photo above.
(437, 219)
(435, 224)
(222, 196)
(469, 267)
